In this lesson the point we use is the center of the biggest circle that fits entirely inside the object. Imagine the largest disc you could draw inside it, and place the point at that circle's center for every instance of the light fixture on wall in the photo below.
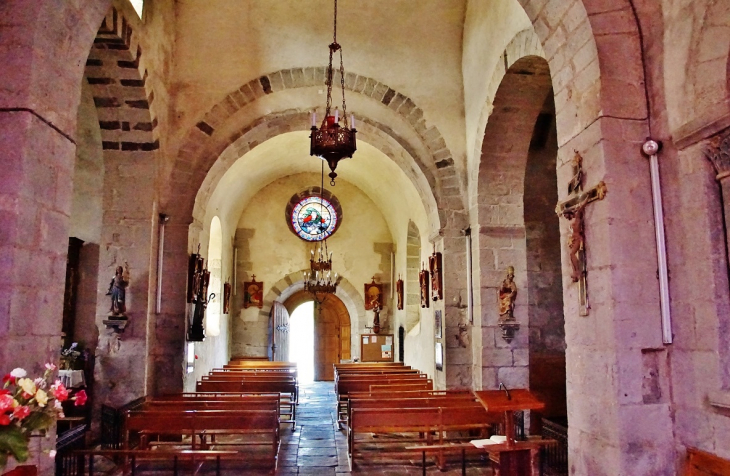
(319, 280)
(331, 141)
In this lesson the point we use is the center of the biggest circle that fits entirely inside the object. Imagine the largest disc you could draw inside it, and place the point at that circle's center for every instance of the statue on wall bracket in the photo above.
(424, 283)
(399, 292)
(435, 263)
(117, 317)
(226, 297)
(198, 280)
(572, 209)
(507, 294)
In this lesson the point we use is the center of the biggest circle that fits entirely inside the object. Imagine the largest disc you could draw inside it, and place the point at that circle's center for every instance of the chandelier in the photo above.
(332, 141)
(319, 279)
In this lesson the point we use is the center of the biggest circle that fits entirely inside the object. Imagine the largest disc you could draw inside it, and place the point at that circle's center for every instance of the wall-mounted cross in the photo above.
(572, 209)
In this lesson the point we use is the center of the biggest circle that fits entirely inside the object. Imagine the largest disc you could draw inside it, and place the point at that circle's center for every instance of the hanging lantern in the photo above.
(333, 141)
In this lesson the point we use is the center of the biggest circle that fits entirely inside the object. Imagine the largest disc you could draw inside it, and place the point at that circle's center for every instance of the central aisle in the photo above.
(317, 447)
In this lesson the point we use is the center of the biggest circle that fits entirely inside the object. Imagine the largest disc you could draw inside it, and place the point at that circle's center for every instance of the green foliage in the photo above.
(14, 442)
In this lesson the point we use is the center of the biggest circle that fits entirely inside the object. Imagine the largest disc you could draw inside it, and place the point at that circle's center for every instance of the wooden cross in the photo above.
(572, 209)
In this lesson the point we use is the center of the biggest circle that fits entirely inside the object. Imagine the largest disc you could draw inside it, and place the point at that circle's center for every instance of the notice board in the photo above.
(376, 347)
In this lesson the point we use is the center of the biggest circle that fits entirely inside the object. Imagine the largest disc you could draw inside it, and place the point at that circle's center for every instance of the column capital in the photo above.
(717, 152)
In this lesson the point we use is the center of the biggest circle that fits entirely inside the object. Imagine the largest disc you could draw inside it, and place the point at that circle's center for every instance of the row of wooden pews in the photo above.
(400, 402)
(235, 415)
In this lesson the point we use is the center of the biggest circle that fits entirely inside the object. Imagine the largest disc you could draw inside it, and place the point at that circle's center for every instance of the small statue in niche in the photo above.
(507, 296)
(118, 293)
(462, 338)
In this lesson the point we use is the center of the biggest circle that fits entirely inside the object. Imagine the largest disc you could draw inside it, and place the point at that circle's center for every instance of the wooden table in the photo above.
(515, 458)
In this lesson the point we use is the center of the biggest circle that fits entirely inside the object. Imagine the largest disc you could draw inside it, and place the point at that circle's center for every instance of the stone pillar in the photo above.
(615, 359)
(45, 47)
(718, 153)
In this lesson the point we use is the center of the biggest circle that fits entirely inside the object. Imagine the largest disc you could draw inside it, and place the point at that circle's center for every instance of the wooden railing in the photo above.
(112, 423)
(555, 456)
(67, 463)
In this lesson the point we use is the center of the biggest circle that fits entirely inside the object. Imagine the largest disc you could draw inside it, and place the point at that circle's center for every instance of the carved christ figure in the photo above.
(507, 296)
(576, 244)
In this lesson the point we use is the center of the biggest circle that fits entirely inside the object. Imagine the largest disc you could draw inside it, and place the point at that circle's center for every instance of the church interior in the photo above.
(528, 195)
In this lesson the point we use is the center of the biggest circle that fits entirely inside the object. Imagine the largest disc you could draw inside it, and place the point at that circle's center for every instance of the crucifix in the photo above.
(572, 210)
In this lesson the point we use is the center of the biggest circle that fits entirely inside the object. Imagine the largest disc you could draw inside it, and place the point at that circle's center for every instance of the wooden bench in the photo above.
(283, 381)
(201, 424)
(346, 386)
(702, 463)
(287, 388)
(287, 405)
(381, 401)
(430, 424)
(196, 458)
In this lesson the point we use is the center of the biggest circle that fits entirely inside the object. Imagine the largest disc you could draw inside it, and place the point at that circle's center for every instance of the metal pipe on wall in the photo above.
(651, 149)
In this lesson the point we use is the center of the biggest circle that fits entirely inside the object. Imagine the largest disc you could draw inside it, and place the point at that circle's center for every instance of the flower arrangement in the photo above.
(29, 405)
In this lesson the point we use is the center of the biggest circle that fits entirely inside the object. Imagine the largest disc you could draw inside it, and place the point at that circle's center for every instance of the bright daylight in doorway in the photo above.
(301, 341)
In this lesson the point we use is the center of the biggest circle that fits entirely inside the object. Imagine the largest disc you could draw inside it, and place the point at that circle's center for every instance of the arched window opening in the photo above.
(301, 341)
(413, 290)
(215, 266)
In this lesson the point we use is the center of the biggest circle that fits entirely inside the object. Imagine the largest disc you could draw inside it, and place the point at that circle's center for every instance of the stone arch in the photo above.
(697, 97)
(594, 52)
(118, 82)
(346, 292)
(205, 142)
(501, 239)
(524, 43)
(278, 123)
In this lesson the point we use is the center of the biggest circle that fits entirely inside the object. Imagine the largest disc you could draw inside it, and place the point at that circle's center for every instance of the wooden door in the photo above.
(279, 332)
(331, 324)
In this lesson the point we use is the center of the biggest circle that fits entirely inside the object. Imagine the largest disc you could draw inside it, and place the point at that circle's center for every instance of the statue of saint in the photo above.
(117, 291)
(507, 296)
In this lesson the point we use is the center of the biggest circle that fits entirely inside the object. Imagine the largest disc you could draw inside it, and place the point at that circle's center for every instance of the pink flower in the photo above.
(6, 403)
(21, 412)
(4, 391)
(50, 366)
(9, 378)
(80, 398)
(59, 391)
(4, 420)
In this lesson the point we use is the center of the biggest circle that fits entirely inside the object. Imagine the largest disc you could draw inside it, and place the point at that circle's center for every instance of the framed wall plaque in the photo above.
(437, 320)
(373, 295)
(253, 293)
(439, 356)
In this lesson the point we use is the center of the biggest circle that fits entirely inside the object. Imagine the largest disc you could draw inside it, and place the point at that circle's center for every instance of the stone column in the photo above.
(44, 46)
(718, 153)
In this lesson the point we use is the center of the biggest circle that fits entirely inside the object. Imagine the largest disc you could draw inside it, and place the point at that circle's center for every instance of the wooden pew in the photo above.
(286, 380)
(429, 425)
(382, 401)
(702, 463)
(346, 386)
(282, 387)
(287, 404)
(203, 424)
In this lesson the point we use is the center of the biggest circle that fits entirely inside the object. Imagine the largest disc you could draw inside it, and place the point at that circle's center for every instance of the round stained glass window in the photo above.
(314, 218)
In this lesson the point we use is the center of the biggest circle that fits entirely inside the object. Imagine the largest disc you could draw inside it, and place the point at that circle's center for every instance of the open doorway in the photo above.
(330, 333)
(301, 341)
